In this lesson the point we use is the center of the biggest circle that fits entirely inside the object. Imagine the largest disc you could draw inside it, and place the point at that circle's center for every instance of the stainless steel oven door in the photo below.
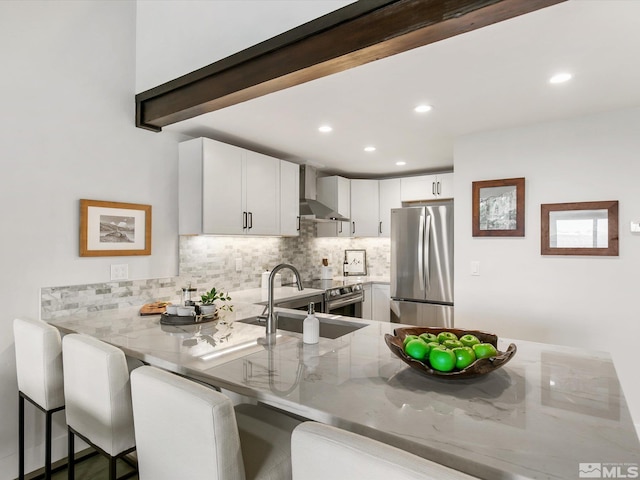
(302, 303)
(348, 306)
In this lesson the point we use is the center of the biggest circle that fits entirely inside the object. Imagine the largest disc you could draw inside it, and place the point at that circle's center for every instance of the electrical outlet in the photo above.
(120, 271)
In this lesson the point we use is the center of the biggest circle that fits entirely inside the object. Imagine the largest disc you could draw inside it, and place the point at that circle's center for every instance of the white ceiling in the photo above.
(492, 78)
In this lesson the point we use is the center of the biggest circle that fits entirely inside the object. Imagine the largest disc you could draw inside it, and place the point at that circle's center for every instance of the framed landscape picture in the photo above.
(498, 208)
(114, 229)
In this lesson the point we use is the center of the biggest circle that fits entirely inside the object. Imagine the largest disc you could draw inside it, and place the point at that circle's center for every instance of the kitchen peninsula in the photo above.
(540, 416)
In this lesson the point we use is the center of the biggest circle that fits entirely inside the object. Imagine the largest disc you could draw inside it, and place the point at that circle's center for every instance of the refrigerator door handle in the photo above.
(421, 251)
(425, 252)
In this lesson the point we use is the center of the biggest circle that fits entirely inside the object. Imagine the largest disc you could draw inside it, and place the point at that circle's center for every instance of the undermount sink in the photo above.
(291, 322)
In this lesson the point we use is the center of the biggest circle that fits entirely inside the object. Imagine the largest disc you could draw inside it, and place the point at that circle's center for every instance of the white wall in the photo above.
(588, 302)
(67, 132)
(216, 29)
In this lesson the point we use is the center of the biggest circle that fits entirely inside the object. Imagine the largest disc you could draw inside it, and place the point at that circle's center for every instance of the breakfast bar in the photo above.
(541, 416)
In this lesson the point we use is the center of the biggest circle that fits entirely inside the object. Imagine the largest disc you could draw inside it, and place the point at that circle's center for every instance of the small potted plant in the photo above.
(208, 306)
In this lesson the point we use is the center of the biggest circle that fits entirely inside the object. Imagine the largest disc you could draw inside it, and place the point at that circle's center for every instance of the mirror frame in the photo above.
(612, 228)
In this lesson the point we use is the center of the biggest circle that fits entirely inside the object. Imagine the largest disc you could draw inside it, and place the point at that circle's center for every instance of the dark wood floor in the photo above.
(95, 467)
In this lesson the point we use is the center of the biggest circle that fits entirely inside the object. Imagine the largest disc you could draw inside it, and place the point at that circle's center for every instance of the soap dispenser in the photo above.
(310, 327)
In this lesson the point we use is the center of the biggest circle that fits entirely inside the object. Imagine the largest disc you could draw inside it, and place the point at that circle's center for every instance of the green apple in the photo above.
(417, 349)
(433, 345)
(484, 350)
(469, 340)
(408, 338)
(442, 359)
(428, 337)
(464, 357)
(451, 344)
(442, 336)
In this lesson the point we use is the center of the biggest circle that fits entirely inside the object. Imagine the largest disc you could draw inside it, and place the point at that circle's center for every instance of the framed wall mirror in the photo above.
(583, 228)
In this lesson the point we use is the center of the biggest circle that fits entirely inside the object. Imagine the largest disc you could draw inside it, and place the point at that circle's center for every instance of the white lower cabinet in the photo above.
(377, 302)
(367, 304)
(381, 309)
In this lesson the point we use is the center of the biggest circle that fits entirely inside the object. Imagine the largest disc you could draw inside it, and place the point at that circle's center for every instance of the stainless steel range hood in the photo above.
(309, 205)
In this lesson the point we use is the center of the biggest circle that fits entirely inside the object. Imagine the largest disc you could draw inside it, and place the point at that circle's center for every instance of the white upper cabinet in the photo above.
(427, 187)
(371, 204)
(389, 197)
(262, 194)
(289, 198)
(335, 192)
(228, 190)
(364, 208)
(218, 168)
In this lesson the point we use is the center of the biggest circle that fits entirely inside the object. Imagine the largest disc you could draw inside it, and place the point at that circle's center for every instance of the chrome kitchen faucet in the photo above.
(272, 319)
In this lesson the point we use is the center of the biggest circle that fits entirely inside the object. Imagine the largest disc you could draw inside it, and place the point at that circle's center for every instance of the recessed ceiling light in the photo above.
(423, 108)
(401, 163)
(325, 128)
(560, 78)
(370, 148)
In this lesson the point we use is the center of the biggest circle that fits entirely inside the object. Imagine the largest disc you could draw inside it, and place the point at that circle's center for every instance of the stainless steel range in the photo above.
(340, 297)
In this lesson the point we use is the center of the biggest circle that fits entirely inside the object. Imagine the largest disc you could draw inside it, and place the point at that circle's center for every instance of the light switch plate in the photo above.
(475, 268)
(635, 226)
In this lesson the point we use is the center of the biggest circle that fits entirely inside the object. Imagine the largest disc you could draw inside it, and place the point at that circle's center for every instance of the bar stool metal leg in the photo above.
(112, 468)
(71, 468)
(48, 441)
(20, 436)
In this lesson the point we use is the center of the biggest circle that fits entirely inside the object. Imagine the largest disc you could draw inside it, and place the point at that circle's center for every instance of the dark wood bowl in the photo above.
(477, 368)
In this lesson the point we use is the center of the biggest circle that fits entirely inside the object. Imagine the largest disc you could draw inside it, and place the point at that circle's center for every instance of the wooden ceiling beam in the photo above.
(357, 34)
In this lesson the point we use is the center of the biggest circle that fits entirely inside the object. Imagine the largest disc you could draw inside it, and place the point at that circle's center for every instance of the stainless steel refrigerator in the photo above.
(422, 265)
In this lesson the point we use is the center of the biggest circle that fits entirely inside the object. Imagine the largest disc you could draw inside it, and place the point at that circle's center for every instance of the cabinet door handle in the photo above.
(298, 228)
(433, 188)
(340, 230)
(250, 220)
(244, 220)
(439, 190)
(380, 228)
(354, 228)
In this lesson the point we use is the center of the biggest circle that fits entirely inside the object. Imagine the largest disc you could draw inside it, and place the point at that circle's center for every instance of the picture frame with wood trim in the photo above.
(498, 208)
(114, 229)
(579, 228)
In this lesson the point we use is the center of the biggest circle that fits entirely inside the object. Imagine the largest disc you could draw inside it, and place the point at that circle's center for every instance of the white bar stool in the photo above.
(186, 430)
(319, 452)
(98, 394)
(39, 371)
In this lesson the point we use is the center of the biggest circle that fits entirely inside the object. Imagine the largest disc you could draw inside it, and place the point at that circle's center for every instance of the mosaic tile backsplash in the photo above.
(207, 261)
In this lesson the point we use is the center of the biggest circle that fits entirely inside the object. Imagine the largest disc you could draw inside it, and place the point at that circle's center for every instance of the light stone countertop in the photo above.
(540, 416)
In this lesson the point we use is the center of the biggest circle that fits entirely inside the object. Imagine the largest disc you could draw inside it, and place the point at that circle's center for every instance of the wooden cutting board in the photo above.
(154, 308)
